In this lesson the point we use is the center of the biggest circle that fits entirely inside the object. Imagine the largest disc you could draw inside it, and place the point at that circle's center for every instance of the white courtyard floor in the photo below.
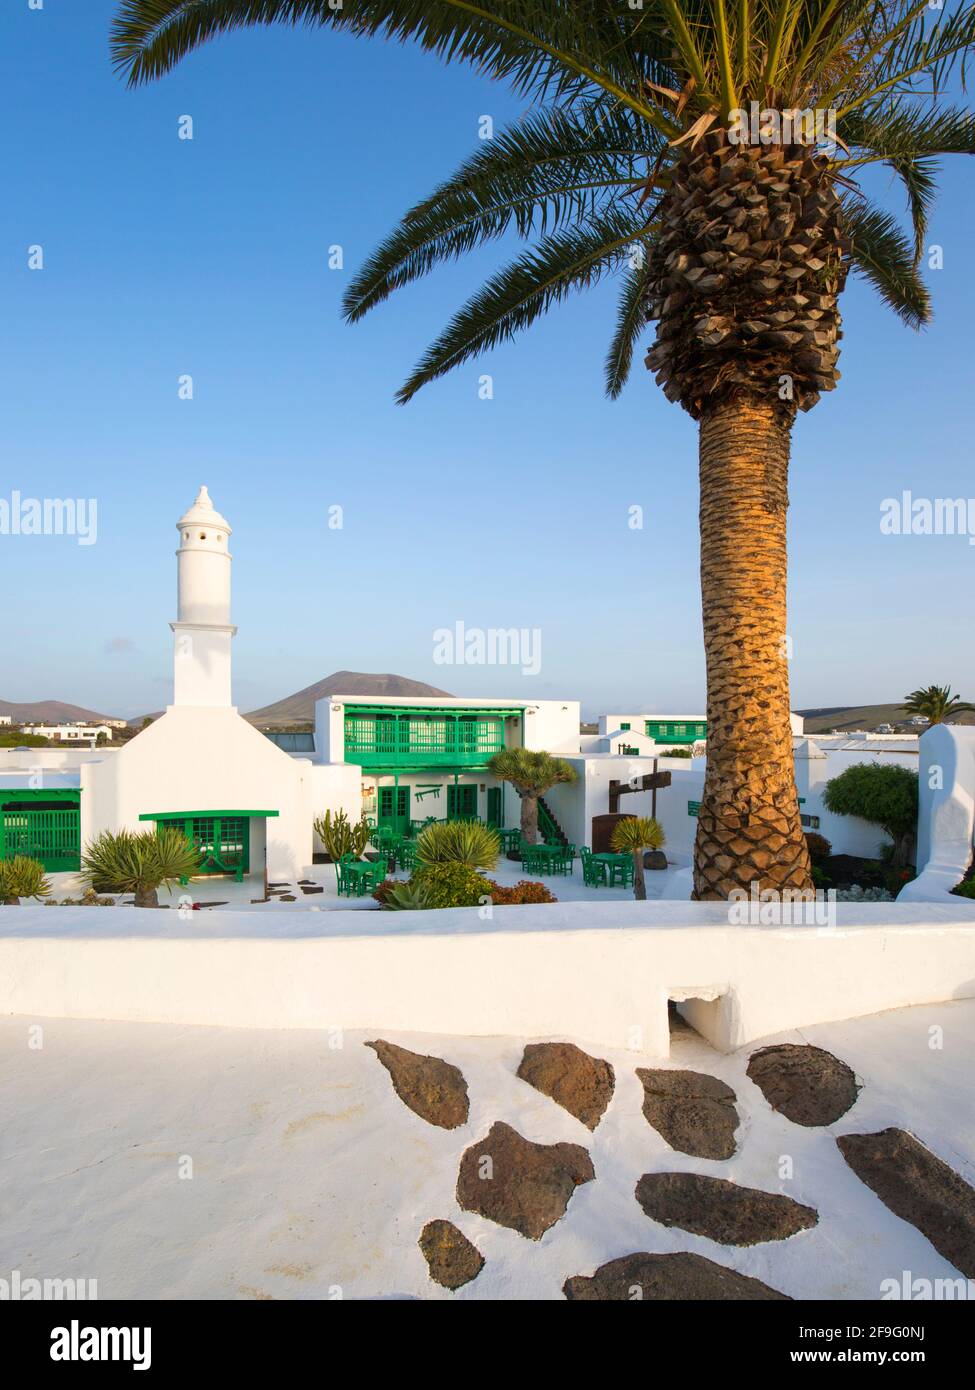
(191, 1162)
(219, 892)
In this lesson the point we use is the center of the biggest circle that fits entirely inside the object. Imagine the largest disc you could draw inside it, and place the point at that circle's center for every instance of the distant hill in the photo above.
(49, 712)
(845, 717)
(300, 707)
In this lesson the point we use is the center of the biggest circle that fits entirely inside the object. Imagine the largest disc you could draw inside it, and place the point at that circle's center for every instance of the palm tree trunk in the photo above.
(639, 882)
(748, 829)
(529, 818)
(146, 897)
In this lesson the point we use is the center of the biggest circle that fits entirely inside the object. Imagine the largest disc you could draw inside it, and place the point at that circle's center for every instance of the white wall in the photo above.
(946, 813)
(601, 972)
(203, 759)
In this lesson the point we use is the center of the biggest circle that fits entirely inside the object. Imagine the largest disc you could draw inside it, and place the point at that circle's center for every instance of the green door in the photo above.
(394, 808)
(224, 841)
(495, 807)
(462, 802)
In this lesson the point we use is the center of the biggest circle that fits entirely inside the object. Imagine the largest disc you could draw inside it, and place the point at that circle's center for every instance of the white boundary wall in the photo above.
(600, 972)
(946, 813)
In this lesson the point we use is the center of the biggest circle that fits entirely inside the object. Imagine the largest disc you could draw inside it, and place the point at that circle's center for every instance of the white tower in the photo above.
(203, 630)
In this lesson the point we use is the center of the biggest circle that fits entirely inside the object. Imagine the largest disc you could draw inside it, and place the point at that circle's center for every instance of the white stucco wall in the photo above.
(203, 759)
(595, 971)
(946, 813)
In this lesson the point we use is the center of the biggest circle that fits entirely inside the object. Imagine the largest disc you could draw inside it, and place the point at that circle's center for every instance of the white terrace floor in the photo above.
(310, 1179)
(224, 892)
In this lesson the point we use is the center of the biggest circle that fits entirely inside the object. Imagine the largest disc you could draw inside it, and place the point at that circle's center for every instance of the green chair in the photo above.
(594, 873)
(406, 854)
(622, 870)
(348, 879)
(529, 858)
(567, 859)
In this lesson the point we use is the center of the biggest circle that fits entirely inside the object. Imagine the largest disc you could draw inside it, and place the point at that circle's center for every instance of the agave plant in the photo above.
(458, 842)
(734, 236)
(532, 773)
(22, 877)
(122, 861)
(413, 896)
(633, 836)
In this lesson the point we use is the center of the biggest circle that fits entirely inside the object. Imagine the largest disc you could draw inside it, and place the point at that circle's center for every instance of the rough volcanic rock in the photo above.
(432, 1088)
(806, 1084)
(518, 1184)
(581, 1084)
(452, 1259)
(668, 1277)
(919, 1188)
(721, 1210)
(693, 1111)
(655, 859)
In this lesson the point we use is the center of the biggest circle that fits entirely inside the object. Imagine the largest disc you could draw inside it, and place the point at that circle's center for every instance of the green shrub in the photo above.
(340, 836)
(451, 885)
(966, 889)
(677, 753)
(458, 842)
(885, 794)
(818, 845)
(820, 878)
(22, 877)
(125, 862)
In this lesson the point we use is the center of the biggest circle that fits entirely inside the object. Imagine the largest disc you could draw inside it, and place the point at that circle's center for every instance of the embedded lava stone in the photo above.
(805, 1084)
(518, 1184)
(581, 1084)
(670, 1278)
(723, 1211)
(919, 1188)
(693, 1111)
(452, 1260)
(432, 1088)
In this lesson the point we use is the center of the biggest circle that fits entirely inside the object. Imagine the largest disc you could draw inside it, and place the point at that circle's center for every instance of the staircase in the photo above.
(552, 832)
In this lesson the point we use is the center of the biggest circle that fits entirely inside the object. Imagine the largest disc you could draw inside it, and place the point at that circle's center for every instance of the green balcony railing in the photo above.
(438, 738)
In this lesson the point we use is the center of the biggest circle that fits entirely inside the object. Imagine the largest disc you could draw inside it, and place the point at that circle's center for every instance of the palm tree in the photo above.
(937, 703)
(633, 164)
(636, 834)
(532, 773)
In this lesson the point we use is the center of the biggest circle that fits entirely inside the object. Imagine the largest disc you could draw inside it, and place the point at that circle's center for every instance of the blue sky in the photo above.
(209, 257)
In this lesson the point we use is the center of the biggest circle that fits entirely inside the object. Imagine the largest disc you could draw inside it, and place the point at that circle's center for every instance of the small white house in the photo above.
(69, 733)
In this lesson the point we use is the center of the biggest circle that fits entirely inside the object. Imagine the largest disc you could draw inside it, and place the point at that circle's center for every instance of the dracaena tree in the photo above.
(734, 239)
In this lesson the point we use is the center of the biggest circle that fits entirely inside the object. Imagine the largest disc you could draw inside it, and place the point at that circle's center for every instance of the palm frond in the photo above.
(633, 315)
(881, 252)
(552, 168)
(515, 297)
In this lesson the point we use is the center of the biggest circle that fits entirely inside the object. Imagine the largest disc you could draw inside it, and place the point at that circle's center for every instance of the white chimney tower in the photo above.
(203, 630)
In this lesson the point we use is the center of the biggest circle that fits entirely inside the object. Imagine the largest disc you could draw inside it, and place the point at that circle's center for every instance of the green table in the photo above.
(621, 864)
(510, 839)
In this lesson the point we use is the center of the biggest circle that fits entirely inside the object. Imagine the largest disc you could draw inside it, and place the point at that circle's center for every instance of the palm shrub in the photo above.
(885, 794)
(340, 836)
(532, 773)
(122, 861)
(937, 703)
(631, 164)
(634, 835)
(458, 842)
(22, 877)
